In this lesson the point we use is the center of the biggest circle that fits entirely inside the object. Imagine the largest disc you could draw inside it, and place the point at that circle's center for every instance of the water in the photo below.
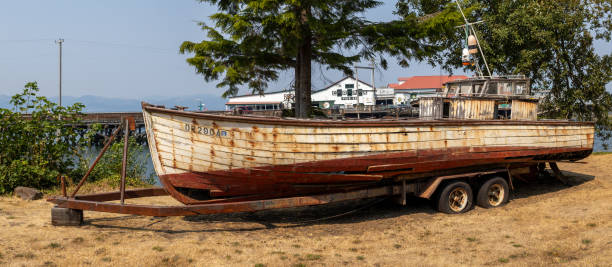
(598, 146)
(93, 151)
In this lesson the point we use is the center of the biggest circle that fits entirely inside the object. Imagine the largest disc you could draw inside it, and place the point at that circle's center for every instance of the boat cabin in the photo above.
(482, 98)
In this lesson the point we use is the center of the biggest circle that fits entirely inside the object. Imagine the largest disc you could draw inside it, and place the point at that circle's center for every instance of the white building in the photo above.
(267, 101)
(344, 93)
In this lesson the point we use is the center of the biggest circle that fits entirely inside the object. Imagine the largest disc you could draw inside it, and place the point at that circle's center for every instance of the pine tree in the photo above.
(251, 41)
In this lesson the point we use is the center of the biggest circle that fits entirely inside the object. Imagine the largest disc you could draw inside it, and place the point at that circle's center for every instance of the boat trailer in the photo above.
(68, 210)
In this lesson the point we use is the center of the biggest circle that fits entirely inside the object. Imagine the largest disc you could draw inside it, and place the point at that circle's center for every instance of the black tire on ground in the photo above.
(455, 197)
(493, 193)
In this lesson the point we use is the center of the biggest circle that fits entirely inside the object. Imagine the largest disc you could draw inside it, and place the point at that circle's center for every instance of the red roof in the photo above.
(425, 82)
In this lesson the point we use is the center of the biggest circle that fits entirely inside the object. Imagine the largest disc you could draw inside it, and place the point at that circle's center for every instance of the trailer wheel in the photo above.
(455, 197)
(493, 193)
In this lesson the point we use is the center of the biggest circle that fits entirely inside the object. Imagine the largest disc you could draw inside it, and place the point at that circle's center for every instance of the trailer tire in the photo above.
(456, 197)
(493, 193)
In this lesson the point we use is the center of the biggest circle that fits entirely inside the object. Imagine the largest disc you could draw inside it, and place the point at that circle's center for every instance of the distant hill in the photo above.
(108, 104)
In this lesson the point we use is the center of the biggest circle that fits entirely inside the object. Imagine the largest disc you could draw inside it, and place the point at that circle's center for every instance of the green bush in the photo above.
(109, 166)
(34, 150)
(36, 146)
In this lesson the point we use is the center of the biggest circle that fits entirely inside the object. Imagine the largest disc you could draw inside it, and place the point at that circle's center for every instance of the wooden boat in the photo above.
(200, 157)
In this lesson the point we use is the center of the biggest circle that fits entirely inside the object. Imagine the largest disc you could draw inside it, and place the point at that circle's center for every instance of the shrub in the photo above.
(35, 144)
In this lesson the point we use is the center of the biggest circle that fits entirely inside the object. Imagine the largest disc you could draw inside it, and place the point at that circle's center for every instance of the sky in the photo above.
(129, 49)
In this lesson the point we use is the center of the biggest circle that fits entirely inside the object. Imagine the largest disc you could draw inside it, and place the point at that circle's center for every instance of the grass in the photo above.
(549, 221)
(158, 248)
(313, 257)
(601, 153)
(27, 255)
(54, 245)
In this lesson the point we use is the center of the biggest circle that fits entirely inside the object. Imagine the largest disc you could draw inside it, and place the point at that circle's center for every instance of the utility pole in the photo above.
(60, 42)
(373, 85)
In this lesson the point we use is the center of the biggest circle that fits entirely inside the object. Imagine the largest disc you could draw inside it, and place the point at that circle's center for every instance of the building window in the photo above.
(359, 92)
(349, 92)
(339, 92)
(349, 86)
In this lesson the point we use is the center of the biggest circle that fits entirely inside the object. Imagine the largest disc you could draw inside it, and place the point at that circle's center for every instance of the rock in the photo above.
(28, 193)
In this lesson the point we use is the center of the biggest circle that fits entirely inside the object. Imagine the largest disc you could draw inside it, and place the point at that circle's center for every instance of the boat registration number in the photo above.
(204, 130)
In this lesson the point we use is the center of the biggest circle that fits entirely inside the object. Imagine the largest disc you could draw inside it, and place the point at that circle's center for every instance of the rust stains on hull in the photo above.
(291, 179)
(202, 156)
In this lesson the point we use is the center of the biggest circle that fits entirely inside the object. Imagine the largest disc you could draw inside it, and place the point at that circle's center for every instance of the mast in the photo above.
(468, 24)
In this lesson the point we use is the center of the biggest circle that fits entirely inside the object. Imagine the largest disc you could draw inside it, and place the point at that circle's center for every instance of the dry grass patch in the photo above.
(545, 223)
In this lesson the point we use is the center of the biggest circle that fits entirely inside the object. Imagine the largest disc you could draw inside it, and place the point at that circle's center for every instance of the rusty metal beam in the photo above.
(433, 184)
(254, 205)
(133, 193)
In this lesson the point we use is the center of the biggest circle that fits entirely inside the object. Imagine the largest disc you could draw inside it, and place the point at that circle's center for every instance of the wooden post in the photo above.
(63, 183)
(126, 136)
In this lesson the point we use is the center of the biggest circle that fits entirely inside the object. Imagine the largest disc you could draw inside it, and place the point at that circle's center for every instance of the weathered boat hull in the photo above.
(200, 156)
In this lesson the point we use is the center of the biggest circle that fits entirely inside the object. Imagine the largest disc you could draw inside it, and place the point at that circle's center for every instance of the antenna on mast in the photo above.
(468, 29)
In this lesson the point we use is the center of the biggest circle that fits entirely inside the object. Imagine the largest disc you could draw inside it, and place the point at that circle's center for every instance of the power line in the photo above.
(25, 40)
(122, 45)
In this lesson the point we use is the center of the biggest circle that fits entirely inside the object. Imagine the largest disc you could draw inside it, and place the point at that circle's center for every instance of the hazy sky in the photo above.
(126, 49)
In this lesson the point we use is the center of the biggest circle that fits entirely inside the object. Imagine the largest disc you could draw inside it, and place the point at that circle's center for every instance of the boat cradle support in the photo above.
(99, 202)
(69, 210)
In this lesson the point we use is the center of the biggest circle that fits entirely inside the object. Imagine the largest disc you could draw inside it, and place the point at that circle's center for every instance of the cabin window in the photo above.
(519, 88)
(466, 89)
(349, 92)
(477, 88)
(452, 90)
(492, 90)
(504, 88)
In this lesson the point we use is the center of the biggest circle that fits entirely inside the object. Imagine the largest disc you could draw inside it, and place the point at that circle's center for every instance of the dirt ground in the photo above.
(545, 223)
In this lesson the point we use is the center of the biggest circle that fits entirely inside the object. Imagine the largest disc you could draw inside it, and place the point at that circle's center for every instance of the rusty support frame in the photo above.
(558, 173)
(431, 187)
(93, 202)
(106, 146)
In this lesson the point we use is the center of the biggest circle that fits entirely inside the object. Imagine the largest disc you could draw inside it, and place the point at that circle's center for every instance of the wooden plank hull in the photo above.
(201, 156)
